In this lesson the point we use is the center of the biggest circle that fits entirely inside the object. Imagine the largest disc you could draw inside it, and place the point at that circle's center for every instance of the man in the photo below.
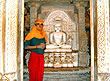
(36, 42)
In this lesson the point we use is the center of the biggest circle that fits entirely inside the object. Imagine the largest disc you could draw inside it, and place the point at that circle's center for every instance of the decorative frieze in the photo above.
(60, 58)
(47, 10)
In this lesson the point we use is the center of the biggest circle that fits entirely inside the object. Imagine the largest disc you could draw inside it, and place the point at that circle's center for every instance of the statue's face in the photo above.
(57, 28)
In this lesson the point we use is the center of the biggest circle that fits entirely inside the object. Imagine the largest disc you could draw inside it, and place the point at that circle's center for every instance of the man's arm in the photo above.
(41, 46)
(30, 47)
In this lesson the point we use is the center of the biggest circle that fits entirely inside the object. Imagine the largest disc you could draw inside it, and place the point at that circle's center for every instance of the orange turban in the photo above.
(39, 21)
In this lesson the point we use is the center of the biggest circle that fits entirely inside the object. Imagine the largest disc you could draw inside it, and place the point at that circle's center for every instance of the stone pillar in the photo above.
(83, 41)
(2, 29)
(33, 13)
(93, 28)
(103, 40)
(9, 40)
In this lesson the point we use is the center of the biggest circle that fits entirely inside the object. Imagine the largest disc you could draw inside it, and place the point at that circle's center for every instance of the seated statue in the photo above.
(58, 38)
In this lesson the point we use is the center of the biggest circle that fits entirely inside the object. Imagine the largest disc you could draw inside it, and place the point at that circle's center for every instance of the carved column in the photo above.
(83, 41)
(8, 40)
(2, 19)
(93, 41)
(33, 13)
(103, 40)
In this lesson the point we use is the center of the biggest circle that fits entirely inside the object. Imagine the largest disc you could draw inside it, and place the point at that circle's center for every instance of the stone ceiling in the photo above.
(56, 0)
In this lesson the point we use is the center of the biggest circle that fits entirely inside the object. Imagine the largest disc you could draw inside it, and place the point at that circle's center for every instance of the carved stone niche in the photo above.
(68, 26)
(61, 57)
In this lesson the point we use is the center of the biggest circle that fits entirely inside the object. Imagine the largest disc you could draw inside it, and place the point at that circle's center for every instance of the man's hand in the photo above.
(42, 46)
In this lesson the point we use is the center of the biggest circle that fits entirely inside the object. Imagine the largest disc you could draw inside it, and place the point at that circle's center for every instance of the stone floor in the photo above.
(63, 74)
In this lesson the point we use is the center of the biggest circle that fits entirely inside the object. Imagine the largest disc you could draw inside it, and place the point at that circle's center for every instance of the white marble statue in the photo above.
(58, 38)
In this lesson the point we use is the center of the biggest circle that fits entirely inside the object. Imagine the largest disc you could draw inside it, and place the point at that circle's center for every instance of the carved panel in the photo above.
(103, 38)
(8, 77)
(104, 77)
(107, 29)
(46, 10)
(58, 59)
(8, 33)
(11, 36)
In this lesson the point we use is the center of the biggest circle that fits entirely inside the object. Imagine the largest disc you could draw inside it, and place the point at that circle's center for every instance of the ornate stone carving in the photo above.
(104, 77)
(103, 36)
(60, 58)
(8, 77)
(8, 69)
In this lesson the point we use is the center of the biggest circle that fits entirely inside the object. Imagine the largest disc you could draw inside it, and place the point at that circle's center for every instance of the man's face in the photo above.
(39, 26)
